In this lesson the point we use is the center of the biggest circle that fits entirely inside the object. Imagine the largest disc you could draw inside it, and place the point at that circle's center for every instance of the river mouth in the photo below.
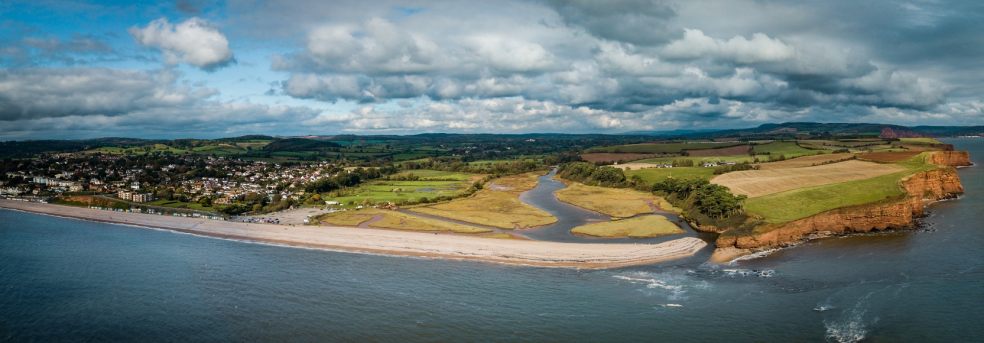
(569, 216)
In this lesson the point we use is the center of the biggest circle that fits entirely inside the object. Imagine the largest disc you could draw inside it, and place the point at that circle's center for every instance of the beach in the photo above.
(390, 242)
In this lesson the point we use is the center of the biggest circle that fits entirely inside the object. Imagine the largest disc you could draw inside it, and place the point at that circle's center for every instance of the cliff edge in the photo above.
(921, 189)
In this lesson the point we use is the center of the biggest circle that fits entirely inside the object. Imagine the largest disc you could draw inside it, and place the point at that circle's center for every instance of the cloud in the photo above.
(193, 41)
(760, 48)
(101, 101)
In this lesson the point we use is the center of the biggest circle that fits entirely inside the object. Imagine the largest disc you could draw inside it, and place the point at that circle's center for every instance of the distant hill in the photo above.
(299, 144)
(792, 129)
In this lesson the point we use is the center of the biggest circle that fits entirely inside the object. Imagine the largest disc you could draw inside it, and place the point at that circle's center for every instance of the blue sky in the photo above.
(191, 68)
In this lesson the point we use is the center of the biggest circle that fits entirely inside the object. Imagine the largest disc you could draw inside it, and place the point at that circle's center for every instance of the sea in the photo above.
(71, 280)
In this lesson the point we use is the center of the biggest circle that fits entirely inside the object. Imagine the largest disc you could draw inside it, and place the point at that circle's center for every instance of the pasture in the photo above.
(786, 149)
(636, 227)
(756, 183)
(397, 192)
(806, 161)
(661, 148)
(437, 175)
(614, 157)
(651, 175)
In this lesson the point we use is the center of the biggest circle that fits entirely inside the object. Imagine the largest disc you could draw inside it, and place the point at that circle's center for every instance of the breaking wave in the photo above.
(851, 326)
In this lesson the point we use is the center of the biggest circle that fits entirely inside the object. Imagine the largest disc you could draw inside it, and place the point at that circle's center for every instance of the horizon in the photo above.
(654, 133)
(209, 69)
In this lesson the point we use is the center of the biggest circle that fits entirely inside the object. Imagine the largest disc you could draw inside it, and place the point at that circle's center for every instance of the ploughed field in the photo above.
(756, 183)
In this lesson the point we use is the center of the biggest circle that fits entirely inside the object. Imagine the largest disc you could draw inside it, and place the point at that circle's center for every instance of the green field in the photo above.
(435, 175)
(381, 191)
(701, 159)
(651, 175)
(661, 148)
(922, 140)
(801, 203)
(787, 149)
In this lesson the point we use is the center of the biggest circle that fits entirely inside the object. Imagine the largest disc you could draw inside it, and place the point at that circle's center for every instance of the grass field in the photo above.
(701, 159)
(614, 202)
(614, 157)
(660, 148)
(806, 161)
(738, 150)
(431, 175)
(651, 175)
(804, 202)
(496, 205)
(921, 140)
(637, 227)
(387, 219)
(381, 191)
(756, 183)
(888, 156)
(787, 149)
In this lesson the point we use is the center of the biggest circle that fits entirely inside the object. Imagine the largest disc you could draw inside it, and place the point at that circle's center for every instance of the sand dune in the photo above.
(518, 252)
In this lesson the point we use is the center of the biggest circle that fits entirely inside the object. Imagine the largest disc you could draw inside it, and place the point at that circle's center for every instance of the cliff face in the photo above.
(921, 188)
(950, 158)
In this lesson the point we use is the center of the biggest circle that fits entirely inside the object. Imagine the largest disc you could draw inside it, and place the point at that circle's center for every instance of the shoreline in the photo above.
(390, 242)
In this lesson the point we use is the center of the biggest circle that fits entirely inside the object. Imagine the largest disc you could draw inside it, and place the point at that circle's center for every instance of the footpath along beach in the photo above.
(390, 242)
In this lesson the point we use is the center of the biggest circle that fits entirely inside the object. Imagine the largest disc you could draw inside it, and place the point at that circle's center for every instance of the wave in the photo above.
(673, 284)
(851, 326)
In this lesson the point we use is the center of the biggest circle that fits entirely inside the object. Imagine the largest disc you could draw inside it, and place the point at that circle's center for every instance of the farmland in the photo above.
(651, 175)
(636, 227)
(806, 161)
(756, 183)
(661, 148)
(806, 201)
(496, 205)
(614, 157)
(398, 192)
(783, 149)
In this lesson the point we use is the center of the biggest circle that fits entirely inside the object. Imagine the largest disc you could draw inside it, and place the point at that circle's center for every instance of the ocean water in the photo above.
(69, 280)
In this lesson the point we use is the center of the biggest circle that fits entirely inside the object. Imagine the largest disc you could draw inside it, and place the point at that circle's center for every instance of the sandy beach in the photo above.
(388, 242)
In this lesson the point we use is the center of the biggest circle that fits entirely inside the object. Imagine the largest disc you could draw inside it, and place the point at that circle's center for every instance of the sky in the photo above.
(207, 68)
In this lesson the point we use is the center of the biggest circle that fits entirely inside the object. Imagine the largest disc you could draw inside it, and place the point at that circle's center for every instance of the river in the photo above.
(70, 280)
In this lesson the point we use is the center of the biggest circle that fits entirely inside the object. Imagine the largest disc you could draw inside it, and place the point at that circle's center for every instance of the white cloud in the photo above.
(761, 48)
(193, 41)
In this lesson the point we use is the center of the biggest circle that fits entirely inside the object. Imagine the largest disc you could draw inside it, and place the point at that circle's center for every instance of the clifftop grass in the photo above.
(804, 202)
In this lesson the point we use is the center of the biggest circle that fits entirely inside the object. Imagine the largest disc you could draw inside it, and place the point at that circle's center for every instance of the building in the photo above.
(142, 197)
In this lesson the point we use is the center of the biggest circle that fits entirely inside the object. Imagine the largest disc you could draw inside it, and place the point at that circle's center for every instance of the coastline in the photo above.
(393, 243)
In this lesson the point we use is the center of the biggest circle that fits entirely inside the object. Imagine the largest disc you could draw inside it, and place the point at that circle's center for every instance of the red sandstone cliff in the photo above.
(921, 188)
(950, 158)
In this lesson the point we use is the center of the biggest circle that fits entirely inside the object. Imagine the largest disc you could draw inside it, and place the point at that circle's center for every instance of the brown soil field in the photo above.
(729, 151)
(805, 161)
(614, 157)
(893, 156)
(756, 183)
